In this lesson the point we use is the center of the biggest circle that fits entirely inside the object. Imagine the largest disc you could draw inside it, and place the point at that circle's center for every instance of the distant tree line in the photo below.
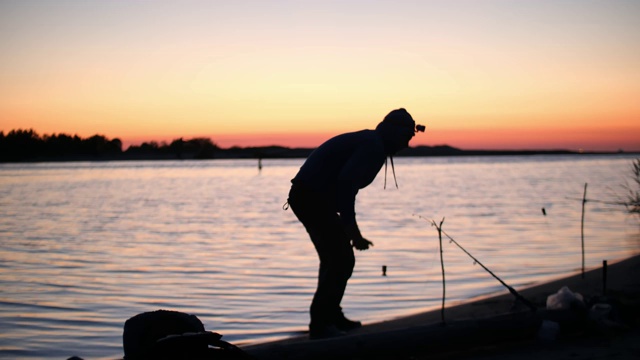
(20, 145)
(28, 145)
(196, 148)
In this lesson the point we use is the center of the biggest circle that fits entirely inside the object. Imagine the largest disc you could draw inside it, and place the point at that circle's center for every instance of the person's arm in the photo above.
(346, 208)
(358, 172)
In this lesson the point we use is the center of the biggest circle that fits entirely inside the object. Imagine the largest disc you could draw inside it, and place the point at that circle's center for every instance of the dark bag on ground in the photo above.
(169, 335)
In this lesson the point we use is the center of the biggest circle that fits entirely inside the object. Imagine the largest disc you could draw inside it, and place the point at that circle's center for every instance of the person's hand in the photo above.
(361, 243)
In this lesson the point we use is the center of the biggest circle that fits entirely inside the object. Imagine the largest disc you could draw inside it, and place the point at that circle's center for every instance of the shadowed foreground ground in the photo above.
(606, 326)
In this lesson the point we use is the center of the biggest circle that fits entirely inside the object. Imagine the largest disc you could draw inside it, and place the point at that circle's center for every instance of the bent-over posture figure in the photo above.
(323, 195)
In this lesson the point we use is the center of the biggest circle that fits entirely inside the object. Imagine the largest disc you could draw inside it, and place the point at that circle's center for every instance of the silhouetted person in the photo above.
(323, 195)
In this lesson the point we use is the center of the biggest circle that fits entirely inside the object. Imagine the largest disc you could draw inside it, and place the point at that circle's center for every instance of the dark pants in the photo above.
(333, 245)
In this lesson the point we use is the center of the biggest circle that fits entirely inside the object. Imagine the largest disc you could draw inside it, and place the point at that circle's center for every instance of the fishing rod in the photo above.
(476, 261)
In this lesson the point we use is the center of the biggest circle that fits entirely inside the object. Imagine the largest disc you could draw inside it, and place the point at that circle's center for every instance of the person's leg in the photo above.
(336, 255)
(336, 266)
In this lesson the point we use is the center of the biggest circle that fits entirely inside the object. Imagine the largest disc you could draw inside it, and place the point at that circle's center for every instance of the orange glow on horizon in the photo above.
(295, 74)
(603, 139)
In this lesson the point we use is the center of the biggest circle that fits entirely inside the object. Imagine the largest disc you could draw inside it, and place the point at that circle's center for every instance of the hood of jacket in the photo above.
(396, 130)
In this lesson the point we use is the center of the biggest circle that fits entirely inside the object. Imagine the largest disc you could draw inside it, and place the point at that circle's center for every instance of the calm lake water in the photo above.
(85, 246)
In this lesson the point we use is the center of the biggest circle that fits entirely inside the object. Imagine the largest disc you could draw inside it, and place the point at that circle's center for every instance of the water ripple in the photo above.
(88, 245)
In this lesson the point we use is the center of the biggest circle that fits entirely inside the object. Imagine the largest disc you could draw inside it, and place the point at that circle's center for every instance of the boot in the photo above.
(344, 324)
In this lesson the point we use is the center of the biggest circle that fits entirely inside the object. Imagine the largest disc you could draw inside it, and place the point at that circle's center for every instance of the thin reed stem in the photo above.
(439, 228)
(584, 201)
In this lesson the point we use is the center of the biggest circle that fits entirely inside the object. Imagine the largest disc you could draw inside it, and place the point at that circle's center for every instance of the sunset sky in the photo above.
(480, 74)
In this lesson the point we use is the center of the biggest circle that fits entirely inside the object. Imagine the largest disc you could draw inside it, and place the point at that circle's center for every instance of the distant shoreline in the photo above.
(19, 146)
(281, 152)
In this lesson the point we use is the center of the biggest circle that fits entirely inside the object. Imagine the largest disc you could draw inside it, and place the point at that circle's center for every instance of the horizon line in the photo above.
(136, 141)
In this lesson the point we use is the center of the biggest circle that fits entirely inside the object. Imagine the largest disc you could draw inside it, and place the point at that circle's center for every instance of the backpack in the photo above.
(172, 335)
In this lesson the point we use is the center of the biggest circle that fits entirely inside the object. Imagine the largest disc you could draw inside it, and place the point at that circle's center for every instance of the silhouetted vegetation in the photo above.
(26, 145)
(633, 198)
(197, 148)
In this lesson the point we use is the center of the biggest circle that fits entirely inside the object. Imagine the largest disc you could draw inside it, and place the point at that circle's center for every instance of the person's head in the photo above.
(397, 129)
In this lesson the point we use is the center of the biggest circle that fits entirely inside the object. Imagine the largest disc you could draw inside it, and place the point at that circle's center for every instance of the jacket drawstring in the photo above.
(393, 169)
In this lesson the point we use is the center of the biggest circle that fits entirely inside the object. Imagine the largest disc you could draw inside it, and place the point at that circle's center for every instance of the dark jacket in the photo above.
(346, 163)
